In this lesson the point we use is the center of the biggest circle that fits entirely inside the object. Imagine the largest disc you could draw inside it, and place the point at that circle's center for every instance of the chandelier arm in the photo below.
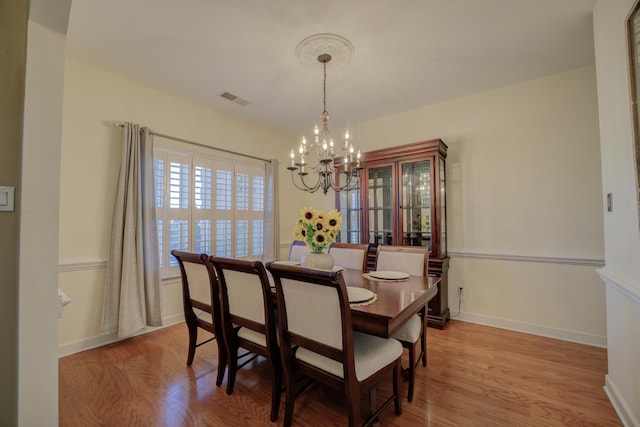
(293, 180)
(311, 189)
(344, 187)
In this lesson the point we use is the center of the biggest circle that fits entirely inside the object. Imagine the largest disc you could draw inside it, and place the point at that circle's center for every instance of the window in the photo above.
(207, 204)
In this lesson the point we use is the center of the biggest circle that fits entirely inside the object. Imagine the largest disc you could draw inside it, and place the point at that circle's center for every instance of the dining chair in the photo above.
(297, 250)
(201, 304)
(349, 255)
(317, 341)
(248, 319)
(413, 260)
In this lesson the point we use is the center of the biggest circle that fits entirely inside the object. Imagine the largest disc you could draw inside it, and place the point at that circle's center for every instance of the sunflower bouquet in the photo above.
(317, 229)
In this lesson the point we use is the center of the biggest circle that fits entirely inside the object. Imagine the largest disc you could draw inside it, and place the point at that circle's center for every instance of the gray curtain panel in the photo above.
(132, 289)
(272, 216)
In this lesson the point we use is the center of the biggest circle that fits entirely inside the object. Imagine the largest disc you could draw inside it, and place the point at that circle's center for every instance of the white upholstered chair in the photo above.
(201, 303)
(317, 340)
(349, 255)
(413, 260)
(297, 250)
(248, 319)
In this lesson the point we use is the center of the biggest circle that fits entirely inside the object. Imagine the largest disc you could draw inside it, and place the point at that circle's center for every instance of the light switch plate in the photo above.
(6, 199)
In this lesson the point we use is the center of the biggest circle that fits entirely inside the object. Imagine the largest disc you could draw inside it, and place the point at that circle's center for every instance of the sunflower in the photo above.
(316, 228)
(300, 232)
(308, 215)
(320, 239)
(321, 224)
(334, 220)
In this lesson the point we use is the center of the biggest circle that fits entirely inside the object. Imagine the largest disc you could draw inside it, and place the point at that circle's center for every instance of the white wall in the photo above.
(524, 201)
(38, 259)
(622, 233)
(91, 150)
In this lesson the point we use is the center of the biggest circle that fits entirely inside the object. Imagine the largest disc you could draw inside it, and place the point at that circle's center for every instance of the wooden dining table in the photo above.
(396, 301)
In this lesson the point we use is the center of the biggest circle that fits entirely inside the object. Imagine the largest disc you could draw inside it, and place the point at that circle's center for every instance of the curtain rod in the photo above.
(186, 141)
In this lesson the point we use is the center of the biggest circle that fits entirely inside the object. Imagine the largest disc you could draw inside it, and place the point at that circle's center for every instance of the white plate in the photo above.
(389, 275)
(287, 262)
(359, 294)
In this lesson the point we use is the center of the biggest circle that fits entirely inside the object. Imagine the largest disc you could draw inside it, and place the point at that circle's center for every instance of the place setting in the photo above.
(360, 296)
(386, 276)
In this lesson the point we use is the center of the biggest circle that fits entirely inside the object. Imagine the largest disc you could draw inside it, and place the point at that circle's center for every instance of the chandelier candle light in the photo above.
(327, 163)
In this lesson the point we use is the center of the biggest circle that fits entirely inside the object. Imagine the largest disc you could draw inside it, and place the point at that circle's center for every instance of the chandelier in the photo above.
(320, 157)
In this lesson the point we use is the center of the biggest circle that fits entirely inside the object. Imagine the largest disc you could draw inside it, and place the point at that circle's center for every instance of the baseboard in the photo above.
(100, 340)
(619, 405)
(530, 328)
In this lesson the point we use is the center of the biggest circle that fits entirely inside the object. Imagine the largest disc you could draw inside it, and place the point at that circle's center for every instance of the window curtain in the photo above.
(271, 214)
(132, 288)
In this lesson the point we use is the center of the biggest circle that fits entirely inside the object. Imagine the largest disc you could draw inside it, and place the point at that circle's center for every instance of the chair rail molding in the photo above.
(81, 264)
(552, 258)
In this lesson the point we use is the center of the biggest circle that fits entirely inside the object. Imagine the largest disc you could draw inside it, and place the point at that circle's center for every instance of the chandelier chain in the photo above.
(324, 88)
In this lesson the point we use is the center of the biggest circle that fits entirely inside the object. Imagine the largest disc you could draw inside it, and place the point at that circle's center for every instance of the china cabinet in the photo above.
(400, 199)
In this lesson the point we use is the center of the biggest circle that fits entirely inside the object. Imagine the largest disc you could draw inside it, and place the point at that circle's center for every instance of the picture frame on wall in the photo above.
(633, 45)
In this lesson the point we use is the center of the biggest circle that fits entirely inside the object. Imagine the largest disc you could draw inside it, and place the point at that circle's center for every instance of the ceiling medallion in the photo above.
(339, 48)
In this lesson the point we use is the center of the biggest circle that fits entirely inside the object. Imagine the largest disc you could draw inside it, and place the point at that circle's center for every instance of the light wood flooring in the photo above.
(476, 376)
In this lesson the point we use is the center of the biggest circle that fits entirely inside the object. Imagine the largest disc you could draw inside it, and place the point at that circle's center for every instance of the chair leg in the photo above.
(353, 408)
(222, 361)
(233, 368)
(276, 387)
(412, 371)
(423, 340)
(373, 403)
(396, 380)
(290, 395)
(193, 338)
(423, 336)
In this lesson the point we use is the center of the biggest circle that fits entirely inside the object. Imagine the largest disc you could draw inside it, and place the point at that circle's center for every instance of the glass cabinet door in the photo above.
(415, 204)
(380, 203)
(350, 211)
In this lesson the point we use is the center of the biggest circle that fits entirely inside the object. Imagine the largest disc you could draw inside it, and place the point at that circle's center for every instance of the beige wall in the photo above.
(525, 217)
(91, 151)
(524, 203)
(13, 35)
(621, 274)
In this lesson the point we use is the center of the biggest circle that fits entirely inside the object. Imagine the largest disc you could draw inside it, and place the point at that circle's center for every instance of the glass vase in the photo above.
(317, 259)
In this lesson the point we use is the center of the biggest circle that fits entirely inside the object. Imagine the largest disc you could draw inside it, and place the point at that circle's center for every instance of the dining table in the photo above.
(395, 302)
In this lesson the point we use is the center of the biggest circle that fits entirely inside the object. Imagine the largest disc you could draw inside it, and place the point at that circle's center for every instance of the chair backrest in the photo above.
(245, 295)
(199, 287)
(349, 255)
(314, 314)
(297, 250)
(413, 260)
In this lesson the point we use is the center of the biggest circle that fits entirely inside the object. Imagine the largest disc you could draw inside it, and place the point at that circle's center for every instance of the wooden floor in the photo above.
(476, 376)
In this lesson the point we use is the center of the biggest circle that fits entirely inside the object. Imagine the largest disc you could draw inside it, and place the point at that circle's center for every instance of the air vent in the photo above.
(233, 98)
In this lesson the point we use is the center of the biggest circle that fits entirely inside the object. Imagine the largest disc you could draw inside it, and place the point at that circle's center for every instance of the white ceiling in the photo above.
(408, 53)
